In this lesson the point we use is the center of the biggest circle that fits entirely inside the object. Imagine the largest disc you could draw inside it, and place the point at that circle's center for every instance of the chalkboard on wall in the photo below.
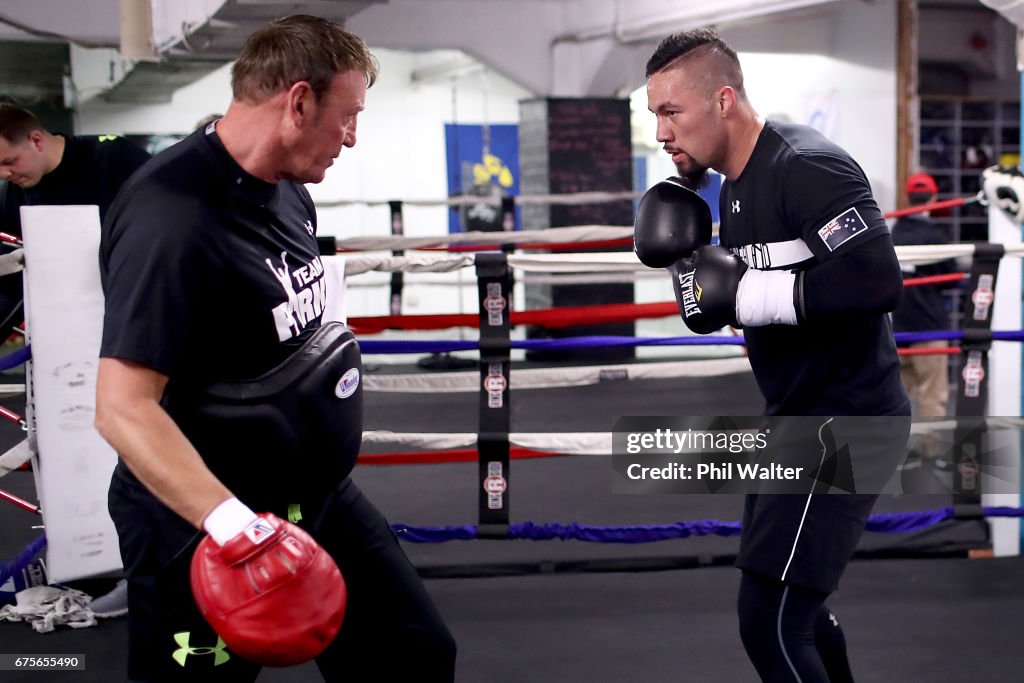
(572, 145)
(590, 150)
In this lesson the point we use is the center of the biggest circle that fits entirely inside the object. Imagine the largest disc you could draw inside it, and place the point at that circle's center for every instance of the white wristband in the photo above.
(227, 520)
(765, 297)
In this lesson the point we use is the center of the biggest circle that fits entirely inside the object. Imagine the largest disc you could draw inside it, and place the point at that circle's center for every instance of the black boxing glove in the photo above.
(714, 288)
(671, 222)
(705, 288)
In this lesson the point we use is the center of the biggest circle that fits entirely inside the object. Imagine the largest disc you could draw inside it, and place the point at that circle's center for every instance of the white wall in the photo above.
(400, 150)
(841, 78)
(399, 154)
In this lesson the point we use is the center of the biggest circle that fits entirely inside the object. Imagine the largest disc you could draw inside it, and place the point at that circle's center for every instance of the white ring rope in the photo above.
(567, 443)
(920, 254)
(588, 279)
(420, 263)
(424, 280)
(605, 262)
(547, 378)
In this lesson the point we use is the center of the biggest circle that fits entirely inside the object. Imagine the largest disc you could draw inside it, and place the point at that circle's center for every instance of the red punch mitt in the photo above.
(271, 593)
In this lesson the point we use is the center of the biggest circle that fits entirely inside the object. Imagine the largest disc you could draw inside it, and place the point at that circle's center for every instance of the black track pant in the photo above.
(789, 634)
(392, 631)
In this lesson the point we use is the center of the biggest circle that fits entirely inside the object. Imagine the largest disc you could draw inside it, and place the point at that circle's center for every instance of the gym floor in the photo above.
(913, 606)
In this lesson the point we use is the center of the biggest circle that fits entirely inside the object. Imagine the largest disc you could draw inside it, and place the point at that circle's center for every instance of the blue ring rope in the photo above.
(888, 523)
(15, 358)
(22, 559)
(568, 343)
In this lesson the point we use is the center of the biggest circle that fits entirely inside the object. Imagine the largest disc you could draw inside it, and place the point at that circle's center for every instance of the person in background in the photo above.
(44, 168)
(923, 308)
(41, 167)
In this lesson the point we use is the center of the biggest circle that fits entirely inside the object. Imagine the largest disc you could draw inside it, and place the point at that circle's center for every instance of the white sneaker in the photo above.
(113, 604)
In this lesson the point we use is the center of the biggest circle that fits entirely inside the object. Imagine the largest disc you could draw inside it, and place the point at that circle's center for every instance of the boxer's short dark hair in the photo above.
(16, 123)
(695, 44)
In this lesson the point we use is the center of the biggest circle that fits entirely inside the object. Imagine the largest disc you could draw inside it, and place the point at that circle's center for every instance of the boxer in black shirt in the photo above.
(807, 268)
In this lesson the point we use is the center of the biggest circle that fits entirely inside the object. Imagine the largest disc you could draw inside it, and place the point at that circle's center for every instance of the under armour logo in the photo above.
(736, 206)
(309, 226)
(219, 651)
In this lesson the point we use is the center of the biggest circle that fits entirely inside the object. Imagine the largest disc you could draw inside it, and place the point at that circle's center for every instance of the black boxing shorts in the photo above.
(289, 436)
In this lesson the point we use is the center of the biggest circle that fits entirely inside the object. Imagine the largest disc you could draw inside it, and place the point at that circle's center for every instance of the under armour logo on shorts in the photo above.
(181, 655)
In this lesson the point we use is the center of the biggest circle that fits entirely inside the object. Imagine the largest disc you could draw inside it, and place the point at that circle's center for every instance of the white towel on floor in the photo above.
(46, 607)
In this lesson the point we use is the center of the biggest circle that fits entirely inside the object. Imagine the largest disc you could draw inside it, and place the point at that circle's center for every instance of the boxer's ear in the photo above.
(725, 99)
(301, 100)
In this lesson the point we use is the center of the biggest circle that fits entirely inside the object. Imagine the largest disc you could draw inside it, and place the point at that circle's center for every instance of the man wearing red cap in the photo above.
(923, 308)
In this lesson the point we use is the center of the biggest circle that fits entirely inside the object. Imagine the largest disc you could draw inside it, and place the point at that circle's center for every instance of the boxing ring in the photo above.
(562, 537)
(478, 408)
(464, 433)
(665, 381)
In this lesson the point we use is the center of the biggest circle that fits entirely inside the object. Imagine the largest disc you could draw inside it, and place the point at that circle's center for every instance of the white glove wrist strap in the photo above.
(765, 297)
(227, 520)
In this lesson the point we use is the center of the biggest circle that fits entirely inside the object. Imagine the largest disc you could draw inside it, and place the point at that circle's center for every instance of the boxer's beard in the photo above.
(693, 177)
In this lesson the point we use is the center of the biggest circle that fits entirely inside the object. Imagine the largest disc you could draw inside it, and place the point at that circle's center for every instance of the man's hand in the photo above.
(269, 591)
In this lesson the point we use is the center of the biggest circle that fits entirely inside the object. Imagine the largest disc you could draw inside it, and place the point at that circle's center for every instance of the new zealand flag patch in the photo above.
(842, 228)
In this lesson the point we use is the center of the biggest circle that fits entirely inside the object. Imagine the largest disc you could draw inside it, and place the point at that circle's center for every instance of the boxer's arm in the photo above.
(863, 280)
(129, 416)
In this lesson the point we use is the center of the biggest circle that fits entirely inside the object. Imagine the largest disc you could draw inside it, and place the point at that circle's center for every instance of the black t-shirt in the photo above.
(922, 306)
(209, 273)
(799, 201)
(91, 171)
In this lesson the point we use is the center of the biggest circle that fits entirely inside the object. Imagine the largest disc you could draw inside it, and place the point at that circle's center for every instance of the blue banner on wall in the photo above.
(482, 161)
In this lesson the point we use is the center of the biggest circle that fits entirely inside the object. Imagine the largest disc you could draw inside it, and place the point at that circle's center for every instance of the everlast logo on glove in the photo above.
(690, 291)
(708, 304)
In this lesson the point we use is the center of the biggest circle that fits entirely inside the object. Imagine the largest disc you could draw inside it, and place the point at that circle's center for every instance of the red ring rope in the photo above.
(921, 351)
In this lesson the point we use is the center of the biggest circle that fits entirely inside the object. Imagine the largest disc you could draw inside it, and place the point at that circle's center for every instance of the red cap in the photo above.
(922, 182)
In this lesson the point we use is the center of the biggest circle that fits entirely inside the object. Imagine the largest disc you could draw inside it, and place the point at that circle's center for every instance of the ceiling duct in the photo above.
(201, 47)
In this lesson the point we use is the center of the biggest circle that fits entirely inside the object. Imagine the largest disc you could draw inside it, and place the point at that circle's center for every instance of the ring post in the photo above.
(397, 278)
(1004, 392)
(974, 375)
(494, 286)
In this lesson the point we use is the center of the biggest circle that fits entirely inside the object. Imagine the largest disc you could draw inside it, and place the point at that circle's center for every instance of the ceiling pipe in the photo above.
(137, 30)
